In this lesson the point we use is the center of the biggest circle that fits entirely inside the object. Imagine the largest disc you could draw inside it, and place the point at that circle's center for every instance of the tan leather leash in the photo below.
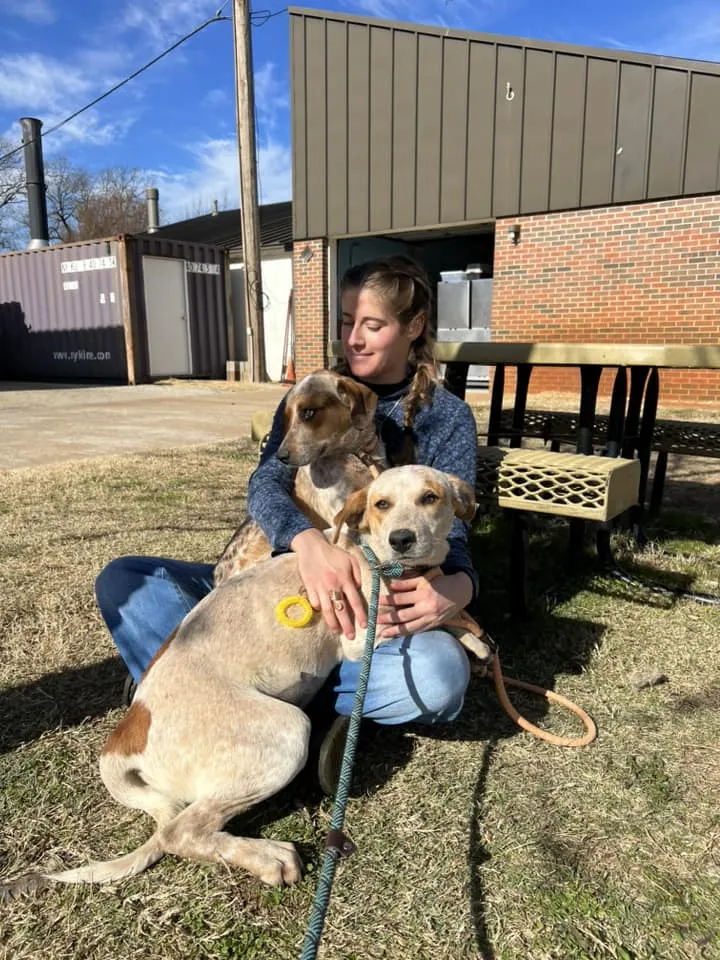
(463, 621)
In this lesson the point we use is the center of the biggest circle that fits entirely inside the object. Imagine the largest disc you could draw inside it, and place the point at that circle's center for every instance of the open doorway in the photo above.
(463, 312)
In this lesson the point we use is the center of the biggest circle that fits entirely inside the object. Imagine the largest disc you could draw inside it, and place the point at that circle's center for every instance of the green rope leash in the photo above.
(337, 845)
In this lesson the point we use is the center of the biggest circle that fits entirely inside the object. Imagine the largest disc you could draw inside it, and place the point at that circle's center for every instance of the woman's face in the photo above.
(376, 344)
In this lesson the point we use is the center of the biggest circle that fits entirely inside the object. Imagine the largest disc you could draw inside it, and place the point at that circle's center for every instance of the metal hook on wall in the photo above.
(509, 92)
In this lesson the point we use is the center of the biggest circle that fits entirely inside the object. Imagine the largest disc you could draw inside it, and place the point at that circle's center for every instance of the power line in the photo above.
(217, 18)
(258, 18)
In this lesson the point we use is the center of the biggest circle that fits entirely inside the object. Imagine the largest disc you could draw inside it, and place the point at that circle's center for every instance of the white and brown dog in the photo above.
(217, 723)
(330, 437)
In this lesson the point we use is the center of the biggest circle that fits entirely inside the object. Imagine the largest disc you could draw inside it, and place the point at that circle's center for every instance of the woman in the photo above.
(421, 672)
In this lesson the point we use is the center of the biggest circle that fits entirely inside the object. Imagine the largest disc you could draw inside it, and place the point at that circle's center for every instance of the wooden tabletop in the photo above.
(684, 356)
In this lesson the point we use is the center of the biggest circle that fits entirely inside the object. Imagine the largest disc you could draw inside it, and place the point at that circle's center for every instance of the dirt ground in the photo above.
(50, 423)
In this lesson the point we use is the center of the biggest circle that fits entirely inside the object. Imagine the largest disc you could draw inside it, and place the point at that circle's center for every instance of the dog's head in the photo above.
(326, 415)
(407, 512)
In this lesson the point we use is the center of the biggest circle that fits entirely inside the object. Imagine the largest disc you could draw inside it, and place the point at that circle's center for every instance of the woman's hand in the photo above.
(416, 604)
(331, 577)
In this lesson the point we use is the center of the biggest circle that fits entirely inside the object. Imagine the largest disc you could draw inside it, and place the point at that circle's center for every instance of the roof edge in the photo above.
(614, 53)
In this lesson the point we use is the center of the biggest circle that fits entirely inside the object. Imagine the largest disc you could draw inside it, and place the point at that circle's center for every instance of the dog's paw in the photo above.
(283, 866)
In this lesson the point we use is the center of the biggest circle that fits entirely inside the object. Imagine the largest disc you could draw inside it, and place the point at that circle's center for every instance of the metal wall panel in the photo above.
(358, 81)
(508, 131)
(316, 114)
(429, 129)
(633, 125)
(537, 131)
(598, 159)
(567, 131)
(299, 130)
(668, 132)
(453, 143)
(381, 77)
(337, 127)
(481, 131)
(61, 313)
(702, 167)
(398, 126)
(404, 155)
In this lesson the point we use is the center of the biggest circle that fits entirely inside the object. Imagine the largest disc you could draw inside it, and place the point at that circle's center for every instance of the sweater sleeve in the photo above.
(456, 453)
(269, 499)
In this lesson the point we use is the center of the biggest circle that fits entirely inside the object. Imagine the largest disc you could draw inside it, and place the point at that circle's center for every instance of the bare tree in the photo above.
(12, 190)
(115, 204)
(68, 188)
(81, 206)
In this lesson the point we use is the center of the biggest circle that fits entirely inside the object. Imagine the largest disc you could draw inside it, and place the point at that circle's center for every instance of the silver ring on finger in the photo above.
(336, 598)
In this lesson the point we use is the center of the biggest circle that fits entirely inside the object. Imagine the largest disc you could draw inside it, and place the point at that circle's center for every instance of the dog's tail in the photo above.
(106, 872)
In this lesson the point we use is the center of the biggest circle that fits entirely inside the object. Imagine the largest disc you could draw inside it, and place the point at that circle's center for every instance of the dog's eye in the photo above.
(307, 414)
(428, 498)
(382, 505)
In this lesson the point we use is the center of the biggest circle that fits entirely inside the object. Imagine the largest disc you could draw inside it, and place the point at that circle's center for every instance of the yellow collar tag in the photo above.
(304, 618)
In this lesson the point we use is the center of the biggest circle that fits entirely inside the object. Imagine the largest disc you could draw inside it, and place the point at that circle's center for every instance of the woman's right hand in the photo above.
(326, 569)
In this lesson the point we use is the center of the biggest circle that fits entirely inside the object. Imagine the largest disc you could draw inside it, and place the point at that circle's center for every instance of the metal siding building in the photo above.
(79, 311)
(398, 127)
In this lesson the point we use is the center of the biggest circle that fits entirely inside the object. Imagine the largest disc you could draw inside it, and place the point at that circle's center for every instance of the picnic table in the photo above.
(632, 418)
(557, 480)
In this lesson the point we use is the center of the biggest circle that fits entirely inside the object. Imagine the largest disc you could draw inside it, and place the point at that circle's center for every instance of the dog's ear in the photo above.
(463, 498)
(361, 399)
(352, 513)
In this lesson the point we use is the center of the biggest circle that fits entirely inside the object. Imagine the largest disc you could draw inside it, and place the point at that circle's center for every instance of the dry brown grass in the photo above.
(474, 840)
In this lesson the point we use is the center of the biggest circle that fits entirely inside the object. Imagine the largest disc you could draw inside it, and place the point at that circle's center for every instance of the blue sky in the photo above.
(176, 122)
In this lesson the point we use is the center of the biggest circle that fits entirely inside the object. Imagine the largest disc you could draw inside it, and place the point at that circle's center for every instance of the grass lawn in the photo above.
(474, 840)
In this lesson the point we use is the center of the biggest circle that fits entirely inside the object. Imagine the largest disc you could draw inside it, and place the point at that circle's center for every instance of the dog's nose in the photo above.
(283, 454)
(401, 540)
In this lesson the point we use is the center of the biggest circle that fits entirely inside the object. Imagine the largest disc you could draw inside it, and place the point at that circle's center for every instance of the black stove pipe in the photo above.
(35, 182)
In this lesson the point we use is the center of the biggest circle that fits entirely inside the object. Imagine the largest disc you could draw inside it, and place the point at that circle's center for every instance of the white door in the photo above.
(276, 285)
(167, 317)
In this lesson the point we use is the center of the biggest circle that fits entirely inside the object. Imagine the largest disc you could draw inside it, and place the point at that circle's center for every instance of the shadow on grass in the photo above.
(63, 699)
(678, 524)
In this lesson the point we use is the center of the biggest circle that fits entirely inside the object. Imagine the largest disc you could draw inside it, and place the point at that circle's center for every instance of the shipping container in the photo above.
(124, 309)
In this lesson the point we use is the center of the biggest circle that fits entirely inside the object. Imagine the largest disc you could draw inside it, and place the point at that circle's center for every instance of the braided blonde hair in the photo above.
(404, 288)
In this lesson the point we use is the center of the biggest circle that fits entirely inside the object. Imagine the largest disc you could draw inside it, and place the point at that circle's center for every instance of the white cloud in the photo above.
(34, 81)
(217, 97)
(216, 176)
(271, 95)
(36, 11)
(163, 23)
(38, 85)
(690, 31)
(458, 14)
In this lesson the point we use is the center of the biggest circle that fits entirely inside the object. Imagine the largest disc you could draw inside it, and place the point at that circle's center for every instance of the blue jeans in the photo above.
(421, 678)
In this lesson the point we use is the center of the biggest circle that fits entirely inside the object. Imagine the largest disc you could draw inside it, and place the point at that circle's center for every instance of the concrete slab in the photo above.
(49, 423)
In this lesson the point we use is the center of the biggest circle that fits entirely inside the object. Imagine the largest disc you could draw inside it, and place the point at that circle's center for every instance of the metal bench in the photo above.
(568, 485)
(669, 436)
(564, 484)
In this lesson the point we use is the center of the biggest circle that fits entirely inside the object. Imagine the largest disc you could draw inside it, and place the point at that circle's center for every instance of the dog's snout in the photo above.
(283, 454)
(401, 540)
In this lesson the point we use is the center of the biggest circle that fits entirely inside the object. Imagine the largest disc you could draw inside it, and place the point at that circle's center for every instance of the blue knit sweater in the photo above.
(445, 437)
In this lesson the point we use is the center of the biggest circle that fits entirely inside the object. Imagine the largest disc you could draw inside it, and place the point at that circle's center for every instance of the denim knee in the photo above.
(440, 674)
(110, 583)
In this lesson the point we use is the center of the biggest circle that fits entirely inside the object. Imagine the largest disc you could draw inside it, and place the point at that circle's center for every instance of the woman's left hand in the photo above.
(416, 604)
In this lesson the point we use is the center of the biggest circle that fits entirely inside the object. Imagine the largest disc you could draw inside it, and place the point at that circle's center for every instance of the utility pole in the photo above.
(245, 98)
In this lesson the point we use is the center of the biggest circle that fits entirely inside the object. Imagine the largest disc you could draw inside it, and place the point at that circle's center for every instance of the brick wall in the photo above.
(642, 273)
(310, 306)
